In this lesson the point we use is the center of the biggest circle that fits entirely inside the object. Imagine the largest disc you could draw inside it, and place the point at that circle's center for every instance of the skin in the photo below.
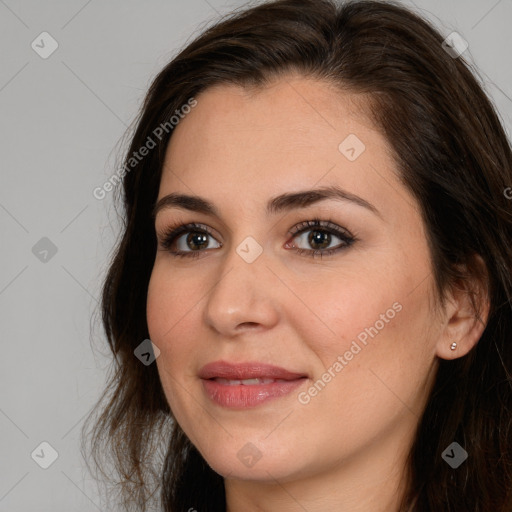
(346, 448)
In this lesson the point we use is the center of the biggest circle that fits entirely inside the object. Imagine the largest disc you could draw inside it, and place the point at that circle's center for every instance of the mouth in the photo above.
(247, 382)
(246, 385)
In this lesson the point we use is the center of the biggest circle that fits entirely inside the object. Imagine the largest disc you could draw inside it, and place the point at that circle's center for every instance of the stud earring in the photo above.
(453, 346)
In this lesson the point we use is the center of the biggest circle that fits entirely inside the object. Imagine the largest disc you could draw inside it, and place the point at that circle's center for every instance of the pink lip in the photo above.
(241, 395)
(249, 370)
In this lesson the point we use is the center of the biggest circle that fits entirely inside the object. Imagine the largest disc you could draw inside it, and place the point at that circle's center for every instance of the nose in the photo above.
(244, 297)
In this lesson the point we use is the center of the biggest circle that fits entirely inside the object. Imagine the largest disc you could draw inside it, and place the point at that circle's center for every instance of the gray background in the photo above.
(60, 121)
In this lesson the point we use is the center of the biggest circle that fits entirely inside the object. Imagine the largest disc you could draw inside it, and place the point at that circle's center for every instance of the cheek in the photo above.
(172, 307)
(344, 309)
(170, 300)
(373, 370)
(169, 311)
(365, 327)
(160, 305)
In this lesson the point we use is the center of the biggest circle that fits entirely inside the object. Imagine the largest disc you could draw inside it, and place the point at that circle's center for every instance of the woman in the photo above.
(317, 244)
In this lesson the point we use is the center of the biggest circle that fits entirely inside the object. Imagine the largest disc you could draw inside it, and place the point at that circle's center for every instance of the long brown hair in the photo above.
(453, 155)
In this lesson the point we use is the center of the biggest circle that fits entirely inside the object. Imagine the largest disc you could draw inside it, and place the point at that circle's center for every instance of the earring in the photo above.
(453, 346)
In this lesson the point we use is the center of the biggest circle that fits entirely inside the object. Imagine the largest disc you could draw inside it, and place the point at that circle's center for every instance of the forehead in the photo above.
(293, 111)
(290, 135)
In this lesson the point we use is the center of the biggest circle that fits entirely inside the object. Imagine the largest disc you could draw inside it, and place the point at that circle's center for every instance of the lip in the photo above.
(241, 396)
(249, 370)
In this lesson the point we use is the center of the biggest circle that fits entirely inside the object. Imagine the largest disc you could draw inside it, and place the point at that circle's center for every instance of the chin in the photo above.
(251, 463)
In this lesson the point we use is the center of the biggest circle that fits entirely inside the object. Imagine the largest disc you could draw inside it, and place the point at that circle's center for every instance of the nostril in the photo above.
(248, 324)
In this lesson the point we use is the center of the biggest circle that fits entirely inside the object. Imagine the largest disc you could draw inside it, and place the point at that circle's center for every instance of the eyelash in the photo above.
(327, 226)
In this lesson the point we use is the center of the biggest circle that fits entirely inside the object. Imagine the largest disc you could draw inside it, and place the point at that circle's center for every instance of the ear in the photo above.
(466, 311)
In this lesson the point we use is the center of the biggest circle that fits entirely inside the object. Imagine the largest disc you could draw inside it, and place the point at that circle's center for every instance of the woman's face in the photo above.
(355, 327)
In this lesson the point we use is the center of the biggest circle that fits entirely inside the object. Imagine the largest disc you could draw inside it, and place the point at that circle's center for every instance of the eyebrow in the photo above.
(283, 202)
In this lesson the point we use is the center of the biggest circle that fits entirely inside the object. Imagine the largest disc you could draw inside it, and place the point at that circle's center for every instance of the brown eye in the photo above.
(316, 238)
(188, 240)
(197, 241)
(319, 239)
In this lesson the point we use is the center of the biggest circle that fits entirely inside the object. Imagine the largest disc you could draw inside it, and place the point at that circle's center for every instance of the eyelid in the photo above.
(327, 225)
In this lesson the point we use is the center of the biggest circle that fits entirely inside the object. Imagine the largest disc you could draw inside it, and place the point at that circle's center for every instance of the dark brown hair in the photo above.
(453, 155)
